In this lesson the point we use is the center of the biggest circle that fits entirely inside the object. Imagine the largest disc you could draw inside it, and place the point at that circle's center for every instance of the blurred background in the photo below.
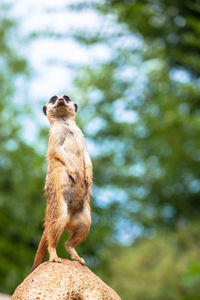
(133, 67)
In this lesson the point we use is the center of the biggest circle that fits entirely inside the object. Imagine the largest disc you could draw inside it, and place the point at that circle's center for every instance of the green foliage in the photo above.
(164, 266)
(152, 154)
(170, 25)
(145, 100)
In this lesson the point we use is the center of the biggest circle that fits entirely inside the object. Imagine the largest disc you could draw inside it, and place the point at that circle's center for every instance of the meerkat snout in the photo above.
(61, 102)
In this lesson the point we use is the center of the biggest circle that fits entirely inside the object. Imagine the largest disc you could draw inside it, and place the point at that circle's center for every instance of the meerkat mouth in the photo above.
(61, 104)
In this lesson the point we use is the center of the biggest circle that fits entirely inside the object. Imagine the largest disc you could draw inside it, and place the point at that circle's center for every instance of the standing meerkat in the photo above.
(68, 182)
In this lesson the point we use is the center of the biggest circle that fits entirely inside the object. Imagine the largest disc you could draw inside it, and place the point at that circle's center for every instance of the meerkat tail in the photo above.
(41, 252)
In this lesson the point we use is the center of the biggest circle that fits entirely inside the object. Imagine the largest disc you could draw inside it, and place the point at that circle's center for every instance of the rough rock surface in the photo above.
(68, 280)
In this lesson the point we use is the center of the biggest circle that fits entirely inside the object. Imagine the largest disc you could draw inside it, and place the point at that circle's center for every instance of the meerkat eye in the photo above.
(53, 99)
(66, 98)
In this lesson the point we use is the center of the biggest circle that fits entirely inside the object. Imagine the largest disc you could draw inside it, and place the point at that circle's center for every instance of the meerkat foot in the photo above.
(55, 259)
(80, 260)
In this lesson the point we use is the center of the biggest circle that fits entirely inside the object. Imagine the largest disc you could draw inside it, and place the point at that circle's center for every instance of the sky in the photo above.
(43, 53)
(52, 61)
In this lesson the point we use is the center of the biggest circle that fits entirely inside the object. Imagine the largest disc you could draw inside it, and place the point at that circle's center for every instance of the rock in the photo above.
(68, 280)
(4, 297)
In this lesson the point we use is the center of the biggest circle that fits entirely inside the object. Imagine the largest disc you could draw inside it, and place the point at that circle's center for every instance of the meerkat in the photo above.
(68, 183)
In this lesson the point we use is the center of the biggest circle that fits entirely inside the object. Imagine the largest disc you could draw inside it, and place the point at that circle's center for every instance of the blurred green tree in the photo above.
(164, 266)
(145, 105)
(172, 26)
(144, 128)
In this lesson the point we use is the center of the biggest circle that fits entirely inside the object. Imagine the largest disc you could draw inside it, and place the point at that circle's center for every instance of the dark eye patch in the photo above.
(66, 98)
(53, 99)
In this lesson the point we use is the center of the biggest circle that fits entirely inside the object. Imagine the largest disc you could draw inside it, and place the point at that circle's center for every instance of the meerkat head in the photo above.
(60, 106)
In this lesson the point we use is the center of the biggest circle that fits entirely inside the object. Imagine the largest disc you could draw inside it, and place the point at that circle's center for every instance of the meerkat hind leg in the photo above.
(75, 239)
(77, 235)
(53, 237)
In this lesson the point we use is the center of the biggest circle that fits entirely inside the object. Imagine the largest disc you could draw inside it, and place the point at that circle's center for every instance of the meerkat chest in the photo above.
(74, 140)
(68, 137)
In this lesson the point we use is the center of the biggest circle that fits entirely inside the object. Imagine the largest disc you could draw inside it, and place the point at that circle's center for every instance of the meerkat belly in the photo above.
(58, 182)
(74, 191)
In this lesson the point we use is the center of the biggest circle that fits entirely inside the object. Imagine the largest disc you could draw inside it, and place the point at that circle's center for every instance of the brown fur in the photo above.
(68, 182)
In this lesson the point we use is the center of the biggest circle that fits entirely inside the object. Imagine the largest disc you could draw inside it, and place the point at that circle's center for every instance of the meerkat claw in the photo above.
(56, 260)
(80, 260)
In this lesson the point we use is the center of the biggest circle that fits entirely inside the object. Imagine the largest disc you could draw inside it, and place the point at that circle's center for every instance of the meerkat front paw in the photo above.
(87, 183)
(72, 176)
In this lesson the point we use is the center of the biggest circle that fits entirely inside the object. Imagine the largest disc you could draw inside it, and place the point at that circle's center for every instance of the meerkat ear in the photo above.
(45, 110)
(76, 107)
